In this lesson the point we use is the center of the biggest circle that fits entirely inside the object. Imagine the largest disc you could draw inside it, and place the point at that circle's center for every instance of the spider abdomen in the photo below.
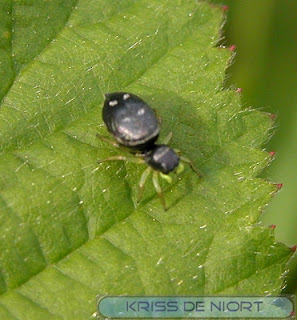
(130, 120)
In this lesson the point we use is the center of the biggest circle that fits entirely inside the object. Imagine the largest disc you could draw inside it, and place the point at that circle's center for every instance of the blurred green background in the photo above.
(265, 66)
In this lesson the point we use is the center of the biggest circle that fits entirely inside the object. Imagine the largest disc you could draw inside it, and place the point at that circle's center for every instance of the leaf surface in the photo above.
(71, 229)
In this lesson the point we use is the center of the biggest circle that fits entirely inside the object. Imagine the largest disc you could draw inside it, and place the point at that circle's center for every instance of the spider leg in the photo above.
(158, 189)
(157, 116)
(142, 182)
(105, 139)
(166, 177)
(190, 163)
(122, 158)
(117, 145)
(168, 138)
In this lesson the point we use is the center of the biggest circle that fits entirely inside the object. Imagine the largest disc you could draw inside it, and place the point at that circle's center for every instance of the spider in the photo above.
(135, 128)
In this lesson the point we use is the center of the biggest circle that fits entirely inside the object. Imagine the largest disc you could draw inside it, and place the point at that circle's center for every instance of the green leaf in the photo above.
(71, 229)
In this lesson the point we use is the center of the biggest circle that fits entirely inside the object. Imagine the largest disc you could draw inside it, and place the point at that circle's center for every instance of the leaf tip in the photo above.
(273, 226)
(232, 48)
(279, 185)
(220, 6)
(272, 153)
(272, 116)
